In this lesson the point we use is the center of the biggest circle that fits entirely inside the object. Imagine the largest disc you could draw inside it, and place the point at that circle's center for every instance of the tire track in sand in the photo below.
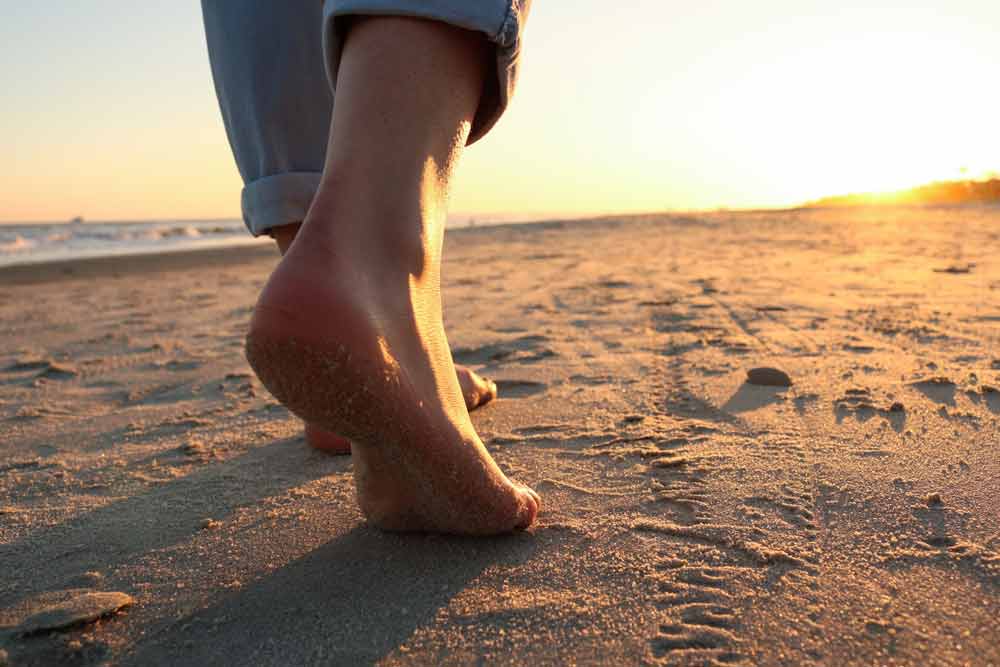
(717, 544)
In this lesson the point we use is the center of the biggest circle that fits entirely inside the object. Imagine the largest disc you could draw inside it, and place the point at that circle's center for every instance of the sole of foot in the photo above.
(476, 390)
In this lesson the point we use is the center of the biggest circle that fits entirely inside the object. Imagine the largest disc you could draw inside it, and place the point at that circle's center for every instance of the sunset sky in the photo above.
(107, 108)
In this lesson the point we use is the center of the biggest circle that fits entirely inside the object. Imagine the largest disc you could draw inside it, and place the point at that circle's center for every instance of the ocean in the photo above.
(35, 243)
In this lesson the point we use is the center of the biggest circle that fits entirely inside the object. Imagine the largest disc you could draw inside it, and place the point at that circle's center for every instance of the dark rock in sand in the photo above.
(897, 407)
(768, 377)
(75, 611)
(934, 500)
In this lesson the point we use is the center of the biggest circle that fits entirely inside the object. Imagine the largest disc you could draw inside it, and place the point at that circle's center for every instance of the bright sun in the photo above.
(875, 110)
(880, 101)
(865, 116)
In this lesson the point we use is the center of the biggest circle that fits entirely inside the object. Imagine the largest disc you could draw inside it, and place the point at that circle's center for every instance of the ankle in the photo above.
(398, 237)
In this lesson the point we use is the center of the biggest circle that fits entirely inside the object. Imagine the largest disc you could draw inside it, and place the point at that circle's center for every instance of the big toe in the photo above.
(476, 389)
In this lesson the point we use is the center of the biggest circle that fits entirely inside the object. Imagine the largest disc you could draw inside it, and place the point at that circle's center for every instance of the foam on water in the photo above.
(34, 243)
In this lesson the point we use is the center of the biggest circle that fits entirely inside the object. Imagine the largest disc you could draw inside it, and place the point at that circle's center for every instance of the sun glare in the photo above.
(881, 102)
(875, 112)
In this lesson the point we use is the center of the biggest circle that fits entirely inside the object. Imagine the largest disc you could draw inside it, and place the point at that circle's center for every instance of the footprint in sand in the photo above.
(939, 389)
(526, 349)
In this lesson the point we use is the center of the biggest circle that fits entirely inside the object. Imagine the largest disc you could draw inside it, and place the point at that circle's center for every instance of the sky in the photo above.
(107, 108)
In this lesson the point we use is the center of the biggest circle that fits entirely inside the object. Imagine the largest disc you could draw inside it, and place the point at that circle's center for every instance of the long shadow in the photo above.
(942, 392)
(161, 516)
(351, 601)
(752, 397)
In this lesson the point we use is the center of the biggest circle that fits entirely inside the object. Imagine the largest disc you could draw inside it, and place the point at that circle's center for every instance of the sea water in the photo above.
(34, 243)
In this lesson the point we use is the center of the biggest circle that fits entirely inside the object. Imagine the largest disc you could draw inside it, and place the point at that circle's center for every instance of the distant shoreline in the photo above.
(114, 264)
(940, 193)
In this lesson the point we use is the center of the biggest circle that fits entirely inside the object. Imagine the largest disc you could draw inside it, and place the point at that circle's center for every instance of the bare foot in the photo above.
(372, 362)
(476, 389)
(348, 332)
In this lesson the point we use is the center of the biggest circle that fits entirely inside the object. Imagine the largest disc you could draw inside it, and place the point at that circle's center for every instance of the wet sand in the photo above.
(691, 517)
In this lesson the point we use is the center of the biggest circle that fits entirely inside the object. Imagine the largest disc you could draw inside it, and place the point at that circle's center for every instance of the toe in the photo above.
(487, 393)
(534, 494)
(530, 505)
(476, 390)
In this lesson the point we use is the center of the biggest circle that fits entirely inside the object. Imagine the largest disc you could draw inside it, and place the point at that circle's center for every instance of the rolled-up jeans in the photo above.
(275, 63)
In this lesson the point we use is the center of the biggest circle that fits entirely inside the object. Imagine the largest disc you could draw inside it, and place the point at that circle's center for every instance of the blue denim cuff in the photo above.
(278, 200)
(501, 21)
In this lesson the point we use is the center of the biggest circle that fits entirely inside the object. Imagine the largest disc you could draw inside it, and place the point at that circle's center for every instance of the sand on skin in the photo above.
(690, 517)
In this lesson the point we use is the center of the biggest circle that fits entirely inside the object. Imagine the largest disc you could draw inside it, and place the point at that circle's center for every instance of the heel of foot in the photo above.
(330, 388)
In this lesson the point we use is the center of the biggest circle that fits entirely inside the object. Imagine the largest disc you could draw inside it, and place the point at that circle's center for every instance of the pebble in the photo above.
(75, 611)
(897, 407)
(934, 500)
(768, 377)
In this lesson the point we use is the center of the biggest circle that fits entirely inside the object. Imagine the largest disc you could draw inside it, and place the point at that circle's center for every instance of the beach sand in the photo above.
(689, 516)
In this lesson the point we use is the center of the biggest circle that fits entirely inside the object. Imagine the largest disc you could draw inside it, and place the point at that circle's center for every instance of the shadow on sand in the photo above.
(752, 397)
(353, 601)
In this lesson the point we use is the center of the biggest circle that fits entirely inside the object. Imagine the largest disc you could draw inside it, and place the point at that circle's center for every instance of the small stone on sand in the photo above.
(75, 611)
(768, 377)
(934, 500)
(210, 524)
(897, 407)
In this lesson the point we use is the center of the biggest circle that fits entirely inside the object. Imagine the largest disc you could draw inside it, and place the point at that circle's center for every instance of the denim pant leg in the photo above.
(275, 67)
(501, 21)
(268, 67)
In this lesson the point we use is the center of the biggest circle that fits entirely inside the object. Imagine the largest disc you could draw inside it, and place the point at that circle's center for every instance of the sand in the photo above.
(690, 517)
